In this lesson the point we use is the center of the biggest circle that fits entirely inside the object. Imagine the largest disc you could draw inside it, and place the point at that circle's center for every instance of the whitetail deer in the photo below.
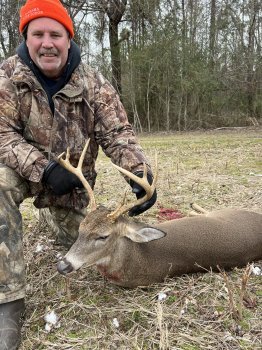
(130, 253)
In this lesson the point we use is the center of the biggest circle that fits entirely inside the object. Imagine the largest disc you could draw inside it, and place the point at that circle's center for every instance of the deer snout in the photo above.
(64, 267)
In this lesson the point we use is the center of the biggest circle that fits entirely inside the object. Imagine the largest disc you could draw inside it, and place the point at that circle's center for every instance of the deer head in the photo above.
(101, 228)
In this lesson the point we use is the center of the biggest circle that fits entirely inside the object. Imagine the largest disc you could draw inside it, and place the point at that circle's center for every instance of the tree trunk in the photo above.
(212, 35)
(251, 88)
(115, 56)
(115, 10)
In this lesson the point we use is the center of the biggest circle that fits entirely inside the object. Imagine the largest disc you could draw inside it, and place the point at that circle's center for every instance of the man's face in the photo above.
(48, 43)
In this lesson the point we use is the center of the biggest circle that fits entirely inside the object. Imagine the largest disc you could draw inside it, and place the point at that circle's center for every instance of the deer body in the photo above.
(130, 253)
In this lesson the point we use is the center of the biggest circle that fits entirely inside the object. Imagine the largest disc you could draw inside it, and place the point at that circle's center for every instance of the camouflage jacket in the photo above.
(31, 135)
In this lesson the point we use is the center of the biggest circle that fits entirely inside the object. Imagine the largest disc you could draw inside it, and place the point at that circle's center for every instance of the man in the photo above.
(50, 100)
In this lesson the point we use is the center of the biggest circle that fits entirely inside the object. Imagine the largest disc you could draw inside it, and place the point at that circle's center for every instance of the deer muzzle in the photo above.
(64, 267)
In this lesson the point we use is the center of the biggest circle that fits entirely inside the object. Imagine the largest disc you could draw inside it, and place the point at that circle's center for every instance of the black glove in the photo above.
(140, 192)
(60, 180)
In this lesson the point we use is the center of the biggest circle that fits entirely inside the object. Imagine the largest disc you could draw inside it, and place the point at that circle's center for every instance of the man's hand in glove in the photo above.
(140, 192)
(60, 180)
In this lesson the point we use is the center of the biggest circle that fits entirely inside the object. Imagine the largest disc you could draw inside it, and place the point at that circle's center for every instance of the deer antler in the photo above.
(78, 172)
(143, 182)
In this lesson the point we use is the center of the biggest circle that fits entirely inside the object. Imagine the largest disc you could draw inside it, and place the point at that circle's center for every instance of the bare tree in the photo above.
(212, 34)
(115, 10)
(9, 23)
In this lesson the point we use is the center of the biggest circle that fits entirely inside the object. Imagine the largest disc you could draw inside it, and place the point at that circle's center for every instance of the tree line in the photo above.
(177, 64)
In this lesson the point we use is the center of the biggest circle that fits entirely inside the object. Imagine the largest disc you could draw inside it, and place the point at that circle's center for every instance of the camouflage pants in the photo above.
(64, 223)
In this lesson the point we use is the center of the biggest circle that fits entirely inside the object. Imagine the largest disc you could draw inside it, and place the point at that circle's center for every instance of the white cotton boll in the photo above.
(182, 312)
(51, 318)
(161, 296)
(39, 248)
(48, 327)
(51, 321)
(115, 322)
(256, 271)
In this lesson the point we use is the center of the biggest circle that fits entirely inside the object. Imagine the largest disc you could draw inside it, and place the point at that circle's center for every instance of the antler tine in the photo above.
(78, 172)
(143, 182)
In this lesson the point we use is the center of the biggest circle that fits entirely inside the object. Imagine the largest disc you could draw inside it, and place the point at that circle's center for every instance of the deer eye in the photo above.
(102, 238)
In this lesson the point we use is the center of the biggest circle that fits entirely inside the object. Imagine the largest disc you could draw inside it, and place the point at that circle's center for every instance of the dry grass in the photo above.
(200, 311)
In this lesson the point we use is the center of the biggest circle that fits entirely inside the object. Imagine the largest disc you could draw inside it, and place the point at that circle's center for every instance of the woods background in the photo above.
(177, 64)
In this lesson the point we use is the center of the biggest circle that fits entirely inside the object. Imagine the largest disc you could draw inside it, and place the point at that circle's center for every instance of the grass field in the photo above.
(216, 169)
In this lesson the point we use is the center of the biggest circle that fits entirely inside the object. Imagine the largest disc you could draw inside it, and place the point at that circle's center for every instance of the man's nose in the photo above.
(47, 42)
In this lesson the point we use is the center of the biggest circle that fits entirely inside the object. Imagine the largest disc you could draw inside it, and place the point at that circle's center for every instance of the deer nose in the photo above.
(64, 267)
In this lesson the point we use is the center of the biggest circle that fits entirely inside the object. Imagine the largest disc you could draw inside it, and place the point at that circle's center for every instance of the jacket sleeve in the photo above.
(15, 151)
(113, 132)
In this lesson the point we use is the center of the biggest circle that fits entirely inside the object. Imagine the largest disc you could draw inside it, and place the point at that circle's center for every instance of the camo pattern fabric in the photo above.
(30, 135)
(12, 278)
(63, 223)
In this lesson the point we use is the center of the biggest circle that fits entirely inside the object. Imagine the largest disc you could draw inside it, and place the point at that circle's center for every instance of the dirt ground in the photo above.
(216, 169)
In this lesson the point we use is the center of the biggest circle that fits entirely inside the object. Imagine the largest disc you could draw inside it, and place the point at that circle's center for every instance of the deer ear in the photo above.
(145, 234)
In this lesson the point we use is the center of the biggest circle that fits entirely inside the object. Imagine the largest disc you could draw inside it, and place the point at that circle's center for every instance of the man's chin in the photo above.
(52, 71)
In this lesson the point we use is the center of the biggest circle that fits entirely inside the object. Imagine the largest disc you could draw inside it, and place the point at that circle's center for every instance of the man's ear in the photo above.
(145, 234)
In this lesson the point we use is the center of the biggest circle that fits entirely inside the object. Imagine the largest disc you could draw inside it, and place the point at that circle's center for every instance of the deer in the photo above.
(130, 253)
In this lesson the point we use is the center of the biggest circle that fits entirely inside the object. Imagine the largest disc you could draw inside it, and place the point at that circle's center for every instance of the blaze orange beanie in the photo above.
(45, 8)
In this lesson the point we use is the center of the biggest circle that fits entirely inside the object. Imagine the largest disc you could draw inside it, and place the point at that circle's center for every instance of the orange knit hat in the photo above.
(45, 8)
